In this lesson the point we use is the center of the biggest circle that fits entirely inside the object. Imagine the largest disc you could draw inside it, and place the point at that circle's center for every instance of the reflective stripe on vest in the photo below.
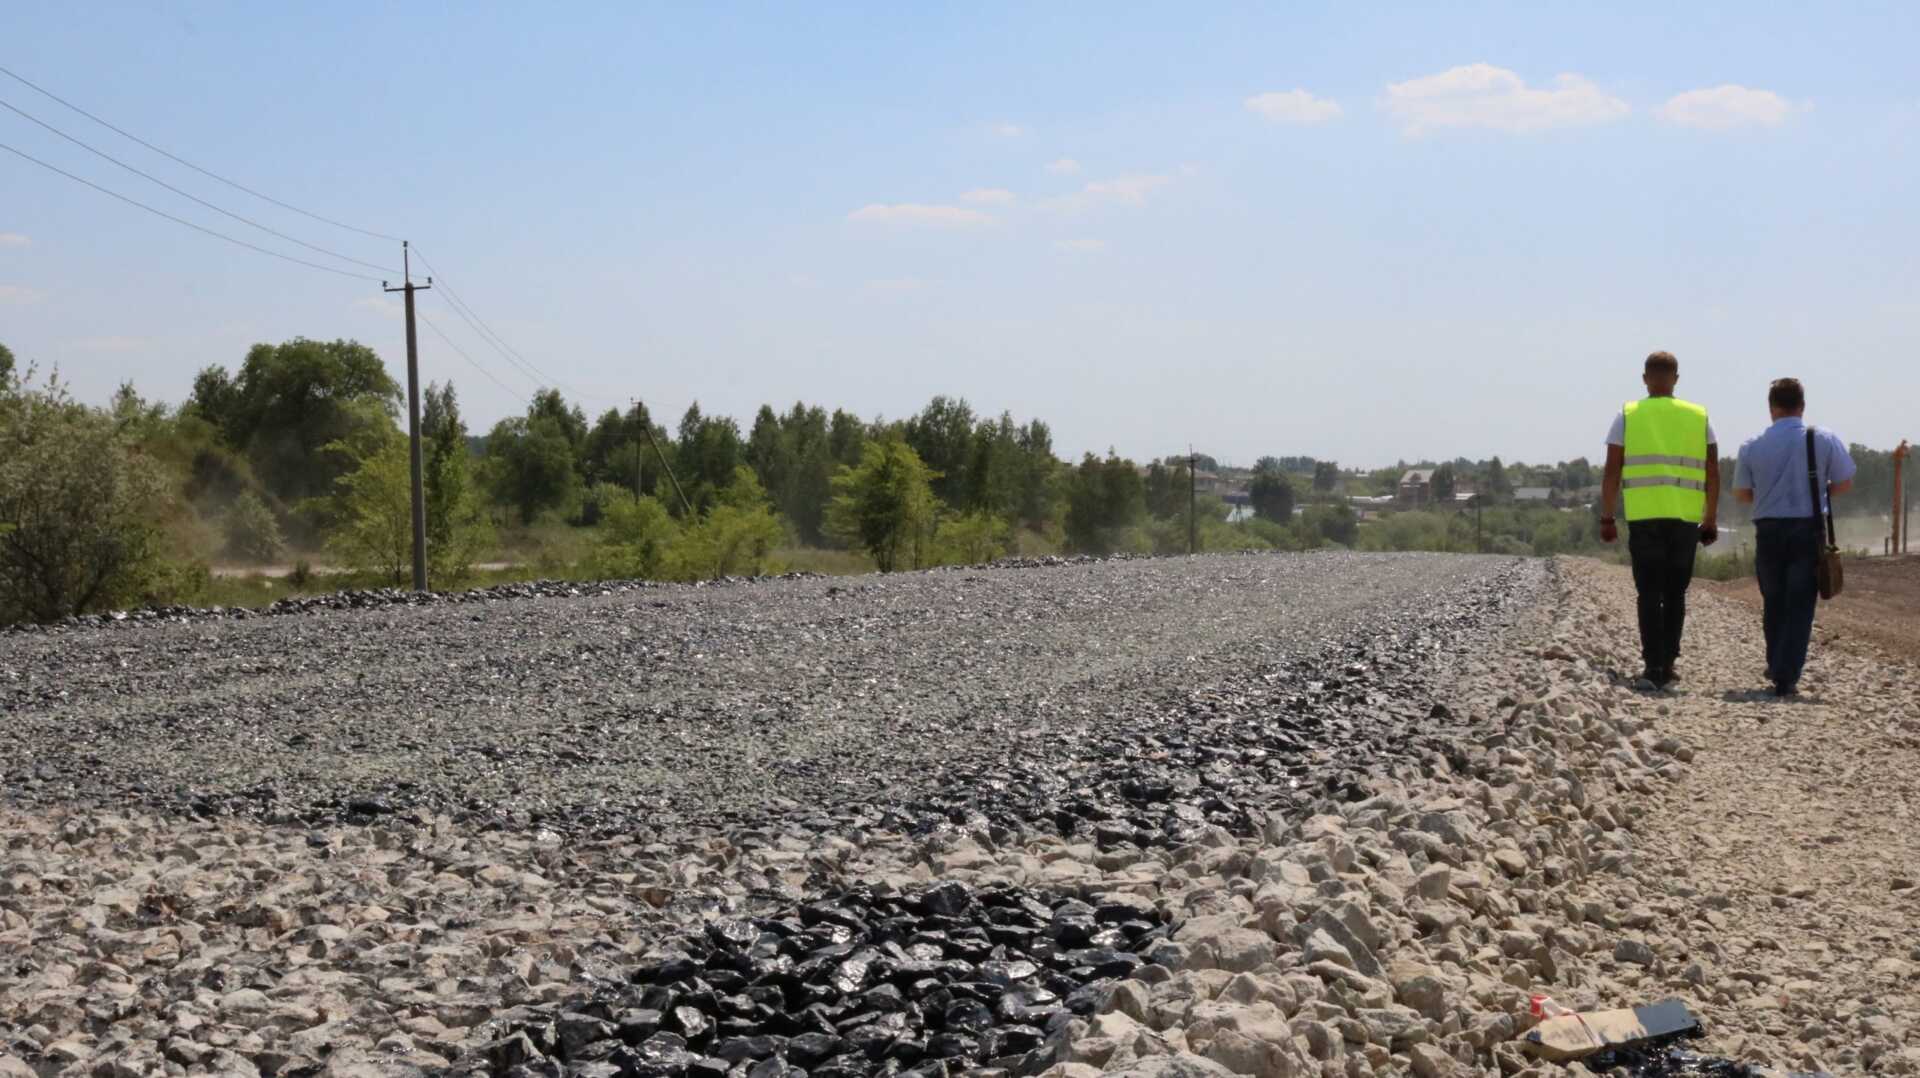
(1665, 468)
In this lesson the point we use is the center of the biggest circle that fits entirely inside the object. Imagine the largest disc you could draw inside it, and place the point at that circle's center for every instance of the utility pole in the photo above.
(413, 419)
(635, 401)
(1193, 500)
(1897, 543)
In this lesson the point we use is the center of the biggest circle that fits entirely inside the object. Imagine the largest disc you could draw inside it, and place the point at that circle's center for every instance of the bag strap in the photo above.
(1813, 488)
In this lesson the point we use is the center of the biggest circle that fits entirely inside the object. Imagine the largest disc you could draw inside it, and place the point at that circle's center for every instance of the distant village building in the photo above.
(1534, 495)
(1416, 488)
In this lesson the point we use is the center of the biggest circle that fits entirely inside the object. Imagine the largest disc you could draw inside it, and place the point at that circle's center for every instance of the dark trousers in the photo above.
(1785, 556)
(1662, 552)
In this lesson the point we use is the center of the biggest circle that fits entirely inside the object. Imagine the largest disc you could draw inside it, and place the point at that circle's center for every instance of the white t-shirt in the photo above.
(1617, 434)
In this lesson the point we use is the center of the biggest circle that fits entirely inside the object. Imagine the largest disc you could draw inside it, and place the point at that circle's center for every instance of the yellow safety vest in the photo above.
(1665, 477)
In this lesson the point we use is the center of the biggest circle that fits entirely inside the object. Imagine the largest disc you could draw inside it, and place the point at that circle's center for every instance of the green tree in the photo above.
(373, 510)
(457, 526)
(532, 466)
(1166, 490)
(618, 451)
(1271, 492)
(6, 368)
(885, 505)
(635, 537)
(1443, 484)
(942, 435)
(1105, 498)
(252, 532)
(1499, 488)
(1326, 476)
(289, 402)
(732, 538)
(78, 505)
(970, 538)
(706, 454)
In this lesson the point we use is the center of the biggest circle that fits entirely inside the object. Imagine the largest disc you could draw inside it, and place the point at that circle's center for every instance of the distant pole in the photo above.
(1898, 542)
(635, 401)
(413, 419)
(1478, 546)
(1193, 501)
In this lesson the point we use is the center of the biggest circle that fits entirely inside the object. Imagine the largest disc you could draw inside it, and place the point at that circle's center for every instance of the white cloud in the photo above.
(988, 196)
(911, 213)
(14, 239)
(18, 295)
(1080, 246)
(1722, 108)
(1009, 130)
(1066, 166)
(1125, 190)
(1294, 107)
(108, 344)
(380, 305)
(1481, 95)
(893, 286)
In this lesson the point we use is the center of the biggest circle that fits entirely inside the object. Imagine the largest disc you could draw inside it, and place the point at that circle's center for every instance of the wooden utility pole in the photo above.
(413, 419)
(635, 401)
(1193, 501)
(1897, 541)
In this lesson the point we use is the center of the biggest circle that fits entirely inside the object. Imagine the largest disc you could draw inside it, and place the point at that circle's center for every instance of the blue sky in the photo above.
(1357, 233)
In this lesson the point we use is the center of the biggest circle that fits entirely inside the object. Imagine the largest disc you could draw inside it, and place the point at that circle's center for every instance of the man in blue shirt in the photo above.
(1788, 532)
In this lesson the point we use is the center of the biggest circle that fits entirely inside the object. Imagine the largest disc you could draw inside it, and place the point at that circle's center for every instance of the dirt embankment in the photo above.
(1879, 607)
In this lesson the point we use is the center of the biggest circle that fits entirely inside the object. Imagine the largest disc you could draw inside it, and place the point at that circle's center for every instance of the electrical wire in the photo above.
(470, 360)
(184, 221)
(195, 198)
(507, 351)
(183, 161)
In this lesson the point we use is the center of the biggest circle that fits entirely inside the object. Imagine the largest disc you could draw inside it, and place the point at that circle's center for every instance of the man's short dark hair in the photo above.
(1787, 395)
(1663, 362)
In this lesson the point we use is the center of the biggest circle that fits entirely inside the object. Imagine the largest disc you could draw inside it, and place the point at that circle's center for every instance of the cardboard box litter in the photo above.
(1573, 1036)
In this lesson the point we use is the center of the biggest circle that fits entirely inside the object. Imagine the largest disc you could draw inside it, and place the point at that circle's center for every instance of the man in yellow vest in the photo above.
(1663, 455)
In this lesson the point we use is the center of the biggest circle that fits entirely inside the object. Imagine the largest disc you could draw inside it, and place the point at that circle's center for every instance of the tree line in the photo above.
(299, 452)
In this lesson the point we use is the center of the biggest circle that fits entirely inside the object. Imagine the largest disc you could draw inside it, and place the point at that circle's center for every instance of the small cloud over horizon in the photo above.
(19, 295)
(913, 213)
(1082, 246)
(1481, 95)
(1131, 190)
(15, 239)
(1009, 130)
(989, 196)
(1066, 166)
(1727, 107)
(1294, 107)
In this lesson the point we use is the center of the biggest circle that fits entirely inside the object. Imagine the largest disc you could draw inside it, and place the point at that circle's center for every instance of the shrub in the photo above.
(78, 505)
(252, 532)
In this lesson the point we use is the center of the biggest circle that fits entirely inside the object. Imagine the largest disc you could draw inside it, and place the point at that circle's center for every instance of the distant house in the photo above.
(1416, 487)
(1534, 495)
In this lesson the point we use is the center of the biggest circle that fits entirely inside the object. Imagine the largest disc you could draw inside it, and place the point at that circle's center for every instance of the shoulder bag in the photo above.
(1828, 571)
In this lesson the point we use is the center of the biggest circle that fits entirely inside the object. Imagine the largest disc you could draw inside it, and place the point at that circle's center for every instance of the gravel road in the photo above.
(670, 706)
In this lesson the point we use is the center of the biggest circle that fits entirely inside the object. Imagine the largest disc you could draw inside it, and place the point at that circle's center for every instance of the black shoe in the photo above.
(1673, 675)
(1784, 690)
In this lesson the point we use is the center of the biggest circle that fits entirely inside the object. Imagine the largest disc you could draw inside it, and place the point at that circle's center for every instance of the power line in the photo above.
(194, 198)
(486, 332)
(471, 361)
(183, 161)
(184, 221)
